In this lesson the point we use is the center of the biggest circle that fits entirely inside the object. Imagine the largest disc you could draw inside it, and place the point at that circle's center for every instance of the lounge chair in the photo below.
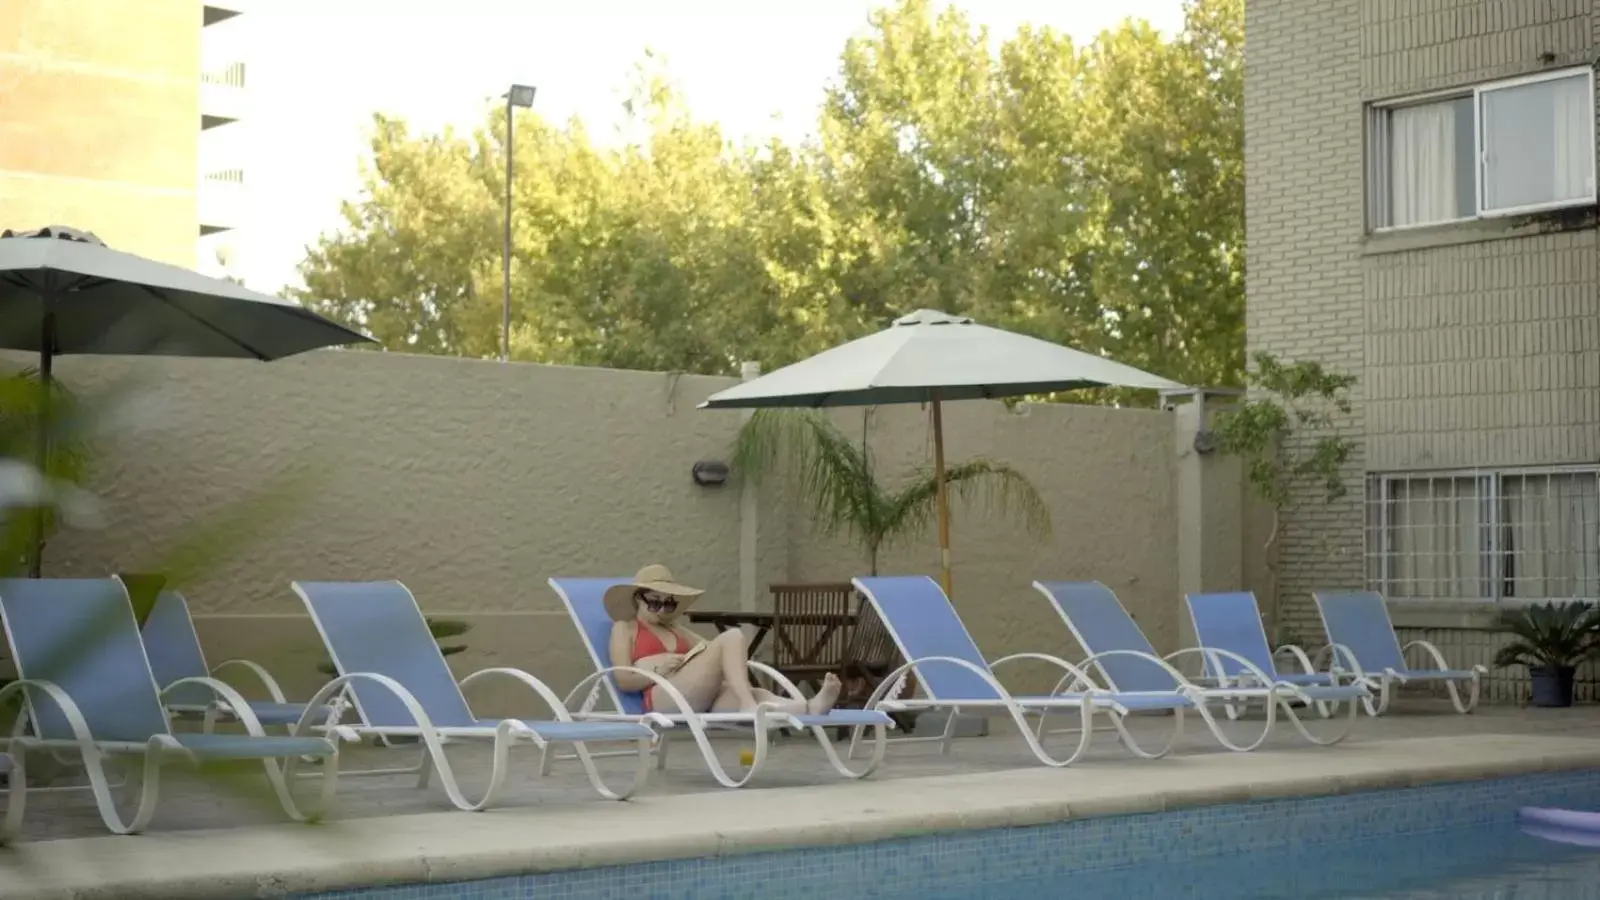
(1122, 655)
(955, 677)
(584, 599)
(175, 654)
(1361, 634)
(401, 687)
(1232, 621)
(88, 688)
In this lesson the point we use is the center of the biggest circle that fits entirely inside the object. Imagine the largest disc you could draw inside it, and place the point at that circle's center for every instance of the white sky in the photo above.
(318, 69)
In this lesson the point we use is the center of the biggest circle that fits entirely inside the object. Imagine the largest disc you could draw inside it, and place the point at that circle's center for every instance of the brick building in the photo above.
(120, 118)
(1421, 214)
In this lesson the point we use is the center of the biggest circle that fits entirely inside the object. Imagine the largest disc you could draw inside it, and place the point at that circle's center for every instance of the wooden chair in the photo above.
(825, 627)
(811, 628)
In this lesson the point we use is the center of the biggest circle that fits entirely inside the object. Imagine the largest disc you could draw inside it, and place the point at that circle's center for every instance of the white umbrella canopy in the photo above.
(63, 291)
(929, 357)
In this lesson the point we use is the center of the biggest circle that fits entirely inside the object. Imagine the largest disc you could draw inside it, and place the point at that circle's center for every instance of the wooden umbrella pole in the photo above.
(942, 497)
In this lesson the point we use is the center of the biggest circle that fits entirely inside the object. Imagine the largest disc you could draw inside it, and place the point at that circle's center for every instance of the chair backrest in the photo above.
(174, 650)
(585, 602)
(923, 624)
(377, 627)
(1100, 623)
(80, 634)
(1231, 622)
(1360, 620)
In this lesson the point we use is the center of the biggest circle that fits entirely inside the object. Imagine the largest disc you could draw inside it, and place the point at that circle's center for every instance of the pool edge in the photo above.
(288, 860)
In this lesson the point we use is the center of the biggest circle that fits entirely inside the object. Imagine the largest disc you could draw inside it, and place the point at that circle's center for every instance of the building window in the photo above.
(1498, 149)
(1514, 535)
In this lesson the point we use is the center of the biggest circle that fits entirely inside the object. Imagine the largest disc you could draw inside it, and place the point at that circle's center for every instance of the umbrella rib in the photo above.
(203, 323)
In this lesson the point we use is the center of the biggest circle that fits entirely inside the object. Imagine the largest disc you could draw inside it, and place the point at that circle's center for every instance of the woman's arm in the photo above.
(622, 655)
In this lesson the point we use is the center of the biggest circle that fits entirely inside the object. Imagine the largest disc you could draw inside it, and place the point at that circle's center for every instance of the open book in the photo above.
(694, 651)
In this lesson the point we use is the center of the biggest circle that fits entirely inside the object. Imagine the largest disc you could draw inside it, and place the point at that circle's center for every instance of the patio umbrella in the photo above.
(930, 357)
(63, 291)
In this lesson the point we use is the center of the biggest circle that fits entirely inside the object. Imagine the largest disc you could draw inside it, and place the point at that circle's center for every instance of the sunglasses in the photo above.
(657, 602)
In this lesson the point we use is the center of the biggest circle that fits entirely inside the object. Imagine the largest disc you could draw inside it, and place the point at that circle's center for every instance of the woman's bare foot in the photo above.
(826, 697)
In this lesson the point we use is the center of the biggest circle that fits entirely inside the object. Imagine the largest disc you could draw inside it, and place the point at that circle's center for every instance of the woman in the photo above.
(711, 675)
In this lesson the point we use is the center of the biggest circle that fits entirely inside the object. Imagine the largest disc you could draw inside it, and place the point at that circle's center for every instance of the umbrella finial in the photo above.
(932, 317)
(61, 232)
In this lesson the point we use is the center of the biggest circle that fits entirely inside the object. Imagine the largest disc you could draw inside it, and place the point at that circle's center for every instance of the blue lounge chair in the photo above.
(1123, 656)
(175, 654)
(585, 601)
(88, 688)
(955, 677)
(1232, 621)
(401, 687)
(1361, 635)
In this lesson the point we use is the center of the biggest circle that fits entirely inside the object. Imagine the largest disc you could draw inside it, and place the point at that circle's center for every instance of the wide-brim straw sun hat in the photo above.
(658, 578)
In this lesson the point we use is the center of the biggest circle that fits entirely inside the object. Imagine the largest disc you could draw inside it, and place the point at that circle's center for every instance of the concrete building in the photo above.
(114, 117)
(1421, 214)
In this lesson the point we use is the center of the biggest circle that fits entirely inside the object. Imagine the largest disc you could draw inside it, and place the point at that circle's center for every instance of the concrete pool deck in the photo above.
(390, 833)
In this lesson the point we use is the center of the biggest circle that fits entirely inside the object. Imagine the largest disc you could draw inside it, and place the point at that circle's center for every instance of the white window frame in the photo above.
(1377, 148)
(1490, 553)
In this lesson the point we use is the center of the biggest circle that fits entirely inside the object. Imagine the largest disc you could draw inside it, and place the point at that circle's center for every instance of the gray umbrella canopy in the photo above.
(929, 357)
(63, 291)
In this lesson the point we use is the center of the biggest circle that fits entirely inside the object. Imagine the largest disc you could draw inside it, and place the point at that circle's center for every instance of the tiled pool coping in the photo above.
(452, 847)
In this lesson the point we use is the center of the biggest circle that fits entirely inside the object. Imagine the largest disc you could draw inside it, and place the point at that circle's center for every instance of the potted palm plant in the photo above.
(1551, 639)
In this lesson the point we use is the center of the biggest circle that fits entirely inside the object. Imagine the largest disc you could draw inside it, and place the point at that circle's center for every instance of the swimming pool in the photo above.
(1451, 840)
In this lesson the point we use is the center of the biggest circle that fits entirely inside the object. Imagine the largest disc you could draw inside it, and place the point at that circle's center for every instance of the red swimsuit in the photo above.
(647, 644)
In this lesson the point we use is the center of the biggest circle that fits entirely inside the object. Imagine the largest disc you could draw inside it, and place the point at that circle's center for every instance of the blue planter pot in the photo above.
(1552, 685)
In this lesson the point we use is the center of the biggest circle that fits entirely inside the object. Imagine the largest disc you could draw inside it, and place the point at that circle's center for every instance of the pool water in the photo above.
(1455, 840)
(1488, 862)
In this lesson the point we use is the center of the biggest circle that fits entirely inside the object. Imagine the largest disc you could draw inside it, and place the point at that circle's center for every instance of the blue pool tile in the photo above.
(1196, 853)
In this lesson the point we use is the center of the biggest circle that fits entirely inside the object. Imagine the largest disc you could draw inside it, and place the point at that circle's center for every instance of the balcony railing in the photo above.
(222, 95)
(229, 76)
(221, 200)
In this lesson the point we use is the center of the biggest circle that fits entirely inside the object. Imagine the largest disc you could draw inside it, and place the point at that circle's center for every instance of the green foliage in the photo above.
(439, 628)
(1282, 429)
(1558, 635)
(23, 413)
(835, 476)
(1091, 195)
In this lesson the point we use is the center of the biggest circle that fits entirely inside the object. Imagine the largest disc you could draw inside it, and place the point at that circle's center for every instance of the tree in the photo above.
(1287, 436)
(1092, 196)
(1088, 195)
(836, 477)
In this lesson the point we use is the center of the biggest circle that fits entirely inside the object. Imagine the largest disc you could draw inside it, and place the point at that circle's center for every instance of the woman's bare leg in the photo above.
(727, 701)
(717, 678)
(827, 695)
(700, 681)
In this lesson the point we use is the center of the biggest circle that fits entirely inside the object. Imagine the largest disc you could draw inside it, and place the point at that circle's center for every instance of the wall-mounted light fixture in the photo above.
(710, 473)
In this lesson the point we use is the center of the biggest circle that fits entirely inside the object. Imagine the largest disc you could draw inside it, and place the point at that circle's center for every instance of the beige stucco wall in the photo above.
(1107, 476)
(473, 482)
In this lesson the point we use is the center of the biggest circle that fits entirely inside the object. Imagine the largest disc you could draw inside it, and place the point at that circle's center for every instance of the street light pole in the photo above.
(520, 95)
